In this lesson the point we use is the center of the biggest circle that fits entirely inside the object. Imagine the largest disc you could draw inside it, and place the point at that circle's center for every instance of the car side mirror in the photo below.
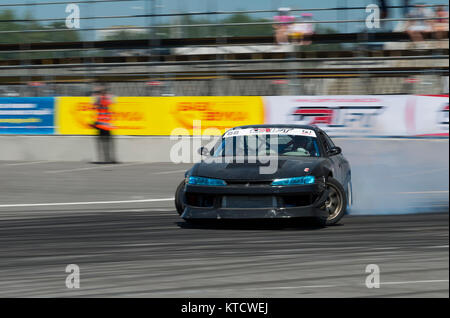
(335, 151)
(204, 151)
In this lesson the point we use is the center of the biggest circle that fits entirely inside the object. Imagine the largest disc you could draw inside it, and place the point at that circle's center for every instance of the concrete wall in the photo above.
(83, 148)
(157, 149)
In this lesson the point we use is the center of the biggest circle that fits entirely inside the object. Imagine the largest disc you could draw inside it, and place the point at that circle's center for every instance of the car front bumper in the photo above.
(219, 210)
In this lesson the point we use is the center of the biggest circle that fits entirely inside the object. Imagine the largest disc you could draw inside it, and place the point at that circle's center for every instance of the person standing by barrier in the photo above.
(103, 124)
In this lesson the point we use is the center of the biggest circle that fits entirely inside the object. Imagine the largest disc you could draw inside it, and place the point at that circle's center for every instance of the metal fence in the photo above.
(154, 65)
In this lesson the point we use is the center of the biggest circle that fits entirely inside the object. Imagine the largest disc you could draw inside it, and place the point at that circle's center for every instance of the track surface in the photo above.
(126, 247)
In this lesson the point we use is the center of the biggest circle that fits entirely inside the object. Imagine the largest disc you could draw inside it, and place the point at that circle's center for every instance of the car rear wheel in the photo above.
(179, 193)
(336, 203)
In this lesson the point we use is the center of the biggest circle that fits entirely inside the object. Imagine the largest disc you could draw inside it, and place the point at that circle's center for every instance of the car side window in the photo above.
(328, 143)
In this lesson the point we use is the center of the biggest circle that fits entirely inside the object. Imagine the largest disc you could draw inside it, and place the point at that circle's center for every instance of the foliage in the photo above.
(9, 21)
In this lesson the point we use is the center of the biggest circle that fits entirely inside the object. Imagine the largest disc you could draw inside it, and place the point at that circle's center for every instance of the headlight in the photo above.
(206, 181)
(294, 181)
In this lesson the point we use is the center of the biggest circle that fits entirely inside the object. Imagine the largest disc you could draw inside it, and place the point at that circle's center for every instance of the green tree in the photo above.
(247, 30)
(9, 21)
(6, 24)
(125, 35)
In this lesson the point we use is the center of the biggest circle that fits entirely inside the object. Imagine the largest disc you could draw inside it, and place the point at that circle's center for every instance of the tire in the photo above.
(349, 195)
(336, 204)
(320, 222)
(179, 193)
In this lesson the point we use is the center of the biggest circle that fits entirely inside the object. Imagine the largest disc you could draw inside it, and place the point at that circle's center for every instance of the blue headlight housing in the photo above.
(294, 181)
(206, 181)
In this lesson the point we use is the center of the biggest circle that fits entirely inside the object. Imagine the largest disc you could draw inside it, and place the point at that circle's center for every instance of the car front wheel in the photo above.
(179, 193)
(336, 203)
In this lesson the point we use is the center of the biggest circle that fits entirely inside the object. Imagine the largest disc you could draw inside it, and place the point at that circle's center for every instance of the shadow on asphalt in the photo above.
(267, 225)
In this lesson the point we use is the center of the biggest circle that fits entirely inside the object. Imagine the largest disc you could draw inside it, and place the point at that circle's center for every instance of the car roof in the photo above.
(315, 128)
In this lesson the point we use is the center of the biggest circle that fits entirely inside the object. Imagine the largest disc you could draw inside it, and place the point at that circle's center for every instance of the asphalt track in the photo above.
(119, 225)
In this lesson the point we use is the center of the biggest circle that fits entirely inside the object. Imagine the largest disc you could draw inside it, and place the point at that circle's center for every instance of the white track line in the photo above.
(324, 286)
(292, 287)
(169, 172)
(96, 168)
(425, 192)
(415, 282)
(331, 286)
(420, 173)
(83, 203)
(27, 163)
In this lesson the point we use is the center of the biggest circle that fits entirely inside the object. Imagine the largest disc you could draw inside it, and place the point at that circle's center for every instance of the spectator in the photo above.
(416, 28)
(301, 32)
(440, 25)
(283, 19)
(103, 124)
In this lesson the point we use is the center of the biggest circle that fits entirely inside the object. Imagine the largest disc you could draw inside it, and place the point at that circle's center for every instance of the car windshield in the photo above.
(268, 143)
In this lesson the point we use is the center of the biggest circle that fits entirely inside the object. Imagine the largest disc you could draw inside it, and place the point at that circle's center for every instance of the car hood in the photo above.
(285, 168)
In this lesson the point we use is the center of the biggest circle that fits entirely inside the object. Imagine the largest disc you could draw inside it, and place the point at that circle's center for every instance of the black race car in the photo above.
(268, 172)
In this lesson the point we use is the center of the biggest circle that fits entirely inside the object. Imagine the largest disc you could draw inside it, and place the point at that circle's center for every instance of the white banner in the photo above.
(431, 116)
(374, 115)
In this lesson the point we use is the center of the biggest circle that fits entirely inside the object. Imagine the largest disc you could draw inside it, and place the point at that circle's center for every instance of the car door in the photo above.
(337, 160)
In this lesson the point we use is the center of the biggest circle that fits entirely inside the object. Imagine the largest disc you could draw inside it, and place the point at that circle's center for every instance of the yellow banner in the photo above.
(161, 115)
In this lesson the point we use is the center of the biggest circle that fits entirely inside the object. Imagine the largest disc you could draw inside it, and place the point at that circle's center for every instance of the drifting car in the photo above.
(268, 172)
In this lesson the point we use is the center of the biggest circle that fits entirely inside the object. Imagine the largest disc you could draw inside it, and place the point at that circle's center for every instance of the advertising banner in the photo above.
(161, 115)
(431, 116)
(27, 115)
(375, 115)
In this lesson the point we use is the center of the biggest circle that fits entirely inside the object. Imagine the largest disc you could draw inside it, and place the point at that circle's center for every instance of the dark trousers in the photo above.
(105, 144)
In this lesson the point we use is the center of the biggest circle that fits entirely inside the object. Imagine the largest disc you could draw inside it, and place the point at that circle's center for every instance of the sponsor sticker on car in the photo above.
(270, 131)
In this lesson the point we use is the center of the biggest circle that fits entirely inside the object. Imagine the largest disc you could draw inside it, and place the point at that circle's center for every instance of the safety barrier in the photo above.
(369, 115)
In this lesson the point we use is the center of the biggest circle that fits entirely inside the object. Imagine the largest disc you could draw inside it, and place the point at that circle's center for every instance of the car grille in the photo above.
(298, 200)
(248, 202)
(200, 200)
